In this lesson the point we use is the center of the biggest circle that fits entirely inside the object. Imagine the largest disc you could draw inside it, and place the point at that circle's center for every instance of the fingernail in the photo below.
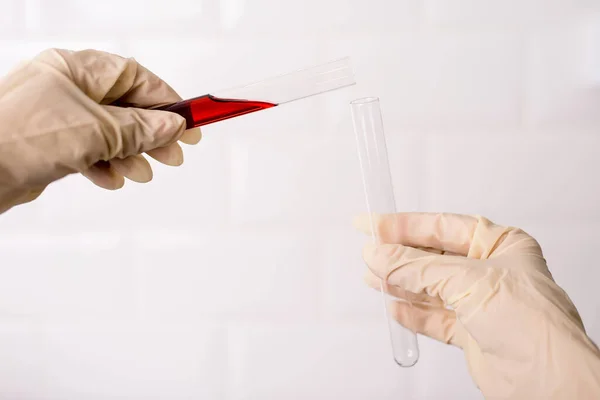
(191, 136)
(171, 155)
(106, 178)
(134, 168)
(176, 157)
(178, 160)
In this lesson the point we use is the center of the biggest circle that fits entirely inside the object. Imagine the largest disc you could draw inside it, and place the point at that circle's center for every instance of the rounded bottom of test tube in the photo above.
(405, 349)
(404, 343)
(407, 362)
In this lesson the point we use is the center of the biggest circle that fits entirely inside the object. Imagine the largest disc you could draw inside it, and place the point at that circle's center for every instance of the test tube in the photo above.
(264, 94)
(377, 181)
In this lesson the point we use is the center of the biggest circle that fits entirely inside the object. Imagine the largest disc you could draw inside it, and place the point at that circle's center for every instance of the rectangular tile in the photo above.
(131, 360)
(22, 373)
(178, 17)
(511, 176)
(562, 85)
(307, 180)
(295, 19)
(11, 18)
(227, 275)
(429, 82)
(66, 277)
(509, 13)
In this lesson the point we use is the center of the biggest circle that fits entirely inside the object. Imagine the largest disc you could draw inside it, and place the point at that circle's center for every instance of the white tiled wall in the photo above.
(238, 275)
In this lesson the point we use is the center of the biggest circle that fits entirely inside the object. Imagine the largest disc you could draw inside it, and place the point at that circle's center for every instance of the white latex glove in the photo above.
(521, 334)
(86, 112)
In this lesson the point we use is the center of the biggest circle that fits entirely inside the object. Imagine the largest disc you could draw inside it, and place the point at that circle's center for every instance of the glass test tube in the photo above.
(372, 152)
(265, 94)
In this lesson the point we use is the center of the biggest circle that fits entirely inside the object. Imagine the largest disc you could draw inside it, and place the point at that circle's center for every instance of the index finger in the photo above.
(109, 78)
(441, 231)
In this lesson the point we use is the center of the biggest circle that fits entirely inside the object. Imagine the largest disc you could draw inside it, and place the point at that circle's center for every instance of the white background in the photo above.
(238, 276)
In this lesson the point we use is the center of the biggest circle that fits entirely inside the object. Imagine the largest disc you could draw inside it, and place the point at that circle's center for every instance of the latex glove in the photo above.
(83, 112)
(521, 334)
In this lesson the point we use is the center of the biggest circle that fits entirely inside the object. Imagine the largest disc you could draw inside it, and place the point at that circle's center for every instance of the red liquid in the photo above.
(207, 109)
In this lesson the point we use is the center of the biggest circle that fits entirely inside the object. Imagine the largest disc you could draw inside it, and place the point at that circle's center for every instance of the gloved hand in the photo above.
(83, 112)
(521, 334)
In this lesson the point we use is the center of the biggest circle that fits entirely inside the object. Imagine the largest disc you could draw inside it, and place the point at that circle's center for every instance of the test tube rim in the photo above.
(364, 100)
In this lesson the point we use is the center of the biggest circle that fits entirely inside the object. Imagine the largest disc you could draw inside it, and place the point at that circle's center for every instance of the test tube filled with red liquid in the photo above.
(268, 93)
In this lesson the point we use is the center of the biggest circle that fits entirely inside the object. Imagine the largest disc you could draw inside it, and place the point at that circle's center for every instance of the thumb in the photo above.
(135, 131)
(421, 272)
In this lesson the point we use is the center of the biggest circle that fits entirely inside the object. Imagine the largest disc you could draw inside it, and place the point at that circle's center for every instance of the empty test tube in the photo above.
(373, 157)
